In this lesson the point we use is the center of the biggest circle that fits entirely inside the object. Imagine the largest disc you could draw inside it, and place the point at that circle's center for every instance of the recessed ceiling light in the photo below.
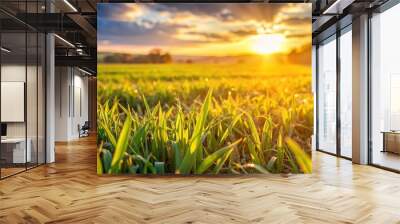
(64, 40)
(337, 7)
(70, 5)
(84, 71)
(5, 50)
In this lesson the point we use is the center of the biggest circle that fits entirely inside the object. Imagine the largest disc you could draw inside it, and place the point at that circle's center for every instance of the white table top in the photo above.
(13, 140)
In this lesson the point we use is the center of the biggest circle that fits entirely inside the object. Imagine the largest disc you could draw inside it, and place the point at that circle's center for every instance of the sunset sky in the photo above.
(202, 29)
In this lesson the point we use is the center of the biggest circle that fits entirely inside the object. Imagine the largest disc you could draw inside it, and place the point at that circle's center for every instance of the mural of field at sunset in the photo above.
(204, 88)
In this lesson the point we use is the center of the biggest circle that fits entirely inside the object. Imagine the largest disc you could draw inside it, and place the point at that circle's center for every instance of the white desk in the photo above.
(19, 155)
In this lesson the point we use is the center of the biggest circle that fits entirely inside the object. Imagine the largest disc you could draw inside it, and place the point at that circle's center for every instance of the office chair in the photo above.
(84, 130)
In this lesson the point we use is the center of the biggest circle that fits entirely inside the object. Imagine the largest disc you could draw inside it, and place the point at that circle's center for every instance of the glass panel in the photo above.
(346, 94)
(41, 98)
(385, 115)
(22, 88)
(31, 97)
(13, 86)
(32, 86)
(327, 96)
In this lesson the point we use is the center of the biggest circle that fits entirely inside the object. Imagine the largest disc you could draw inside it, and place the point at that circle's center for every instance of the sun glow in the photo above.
(267, 43)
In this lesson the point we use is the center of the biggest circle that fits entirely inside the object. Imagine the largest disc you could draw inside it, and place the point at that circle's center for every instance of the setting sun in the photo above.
(267, 43)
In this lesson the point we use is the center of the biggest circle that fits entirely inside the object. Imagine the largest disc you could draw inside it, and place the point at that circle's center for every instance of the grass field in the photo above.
(204, 119)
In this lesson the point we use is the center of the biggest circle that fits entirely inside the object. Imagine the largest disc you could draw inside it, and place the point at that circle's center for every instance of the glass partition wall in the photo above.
(22, 107)
(385, 90)
(334, 93)
(13, 85)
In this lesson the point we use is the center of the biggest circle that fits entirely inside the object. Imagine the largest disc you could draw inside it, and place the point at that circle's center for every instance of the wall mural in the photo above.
(204, 88)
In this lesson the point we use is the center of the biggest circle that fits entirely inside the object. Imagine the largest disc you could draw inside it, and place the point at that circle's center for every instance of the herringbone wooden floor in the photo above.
(69, 191)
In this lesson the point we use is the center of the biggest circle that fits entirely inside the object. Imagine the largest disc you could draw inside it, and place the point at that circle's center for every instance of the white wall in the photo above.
(13, 73)
(62, 81)
(71, 93)
(79, 115)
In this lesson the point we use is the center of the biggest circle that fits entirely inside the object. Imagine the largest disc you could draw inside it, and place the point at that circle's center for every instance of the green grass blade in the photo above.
(106, 160)
(257, 167)
(99, 165)
(292, 163)
(147, 165)
(110, 136)
(195, 141)
(177, 155)
(271, 164)
(280, 153)
(260, 169)
(121, 146)
(302, 158)
(252, 150)
(253, 131)
(220, 162)
(146, 105)
(229, 129)
(209, 160)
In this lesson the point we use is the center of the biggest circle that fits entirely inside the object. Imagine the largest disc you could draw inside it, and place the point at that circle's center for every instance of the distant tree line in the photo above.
(156, 56)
